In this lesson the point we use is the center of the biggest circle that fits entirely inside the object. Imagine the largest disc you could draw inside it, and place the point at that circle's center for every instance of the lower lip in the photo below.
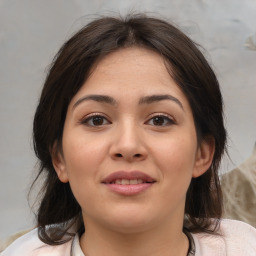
(129, 189)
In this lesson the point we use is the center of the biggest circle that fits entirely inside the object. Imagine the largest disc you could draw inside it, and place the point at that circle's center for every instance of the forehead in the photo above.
(132, 59)
(131, 71)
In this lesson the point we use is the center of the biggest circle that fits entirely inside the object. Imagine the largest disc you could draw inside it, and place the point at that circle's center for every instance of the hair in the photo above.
(58, 210)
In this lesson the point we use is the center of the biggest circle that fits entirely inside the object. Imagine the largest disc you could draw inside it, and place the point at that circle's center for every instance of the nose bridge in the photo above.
(128, 143)
(128, 134)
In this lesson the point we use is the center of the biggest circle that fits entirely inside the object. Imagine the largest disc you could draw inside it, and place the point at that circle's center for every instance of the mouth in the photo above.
(128, 178)
(128, 183)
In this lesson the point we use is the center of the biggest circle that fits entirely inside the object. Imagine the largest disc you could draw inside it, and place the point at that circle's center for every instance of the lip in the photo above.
(128, 189)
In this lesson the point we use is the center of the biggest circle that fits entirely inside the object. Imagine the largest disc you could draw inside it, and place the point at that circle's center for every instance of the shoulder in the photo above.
(30, 245)
(235, 238)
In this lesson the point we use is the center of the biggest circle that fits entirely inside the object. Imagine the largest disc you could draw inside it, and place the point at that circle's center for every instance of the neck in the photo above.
(165, 241)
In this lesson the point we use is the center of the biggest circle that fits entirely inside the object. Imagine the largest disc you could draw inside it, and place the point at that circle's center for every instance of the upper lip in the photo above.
(127, 175)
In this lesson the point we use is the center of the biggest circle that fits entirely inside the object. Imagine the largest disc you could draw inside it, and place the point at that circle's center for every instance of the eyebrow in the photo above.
(157, 98)
(98, 98)
(144, 100)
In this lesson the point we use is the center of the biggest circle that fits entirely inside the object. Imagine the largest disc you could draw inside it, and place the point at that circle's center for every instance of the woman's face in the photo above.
(129, 144)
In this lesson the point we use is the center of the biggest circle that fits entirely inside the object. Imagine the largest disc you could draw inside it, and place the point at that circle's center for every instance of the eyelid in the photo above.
(159, 114)
(86, 118)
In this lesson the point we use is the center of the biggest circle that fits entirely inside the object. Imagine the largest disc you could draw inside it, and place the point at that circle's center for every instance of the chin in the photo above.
(131, 228)
(131, 221)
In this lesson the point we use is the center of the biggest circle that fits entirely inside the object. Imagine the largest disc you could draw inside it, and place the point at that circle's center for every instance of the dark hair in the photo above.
(59, 210)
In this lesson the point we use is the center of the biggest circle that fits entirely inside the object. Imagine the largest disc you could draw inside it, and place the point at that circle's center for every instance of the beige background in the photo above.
(31, 31)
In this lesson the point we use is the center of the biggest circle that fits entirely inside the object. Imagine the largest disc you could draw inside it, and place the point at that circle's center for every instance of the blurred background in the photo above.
(32, 31)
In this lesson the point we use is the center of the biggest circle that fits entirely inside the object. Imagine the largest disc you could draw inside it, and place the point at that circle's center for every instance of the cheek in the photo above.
(83, 157)
(176, 157)
(83, 160)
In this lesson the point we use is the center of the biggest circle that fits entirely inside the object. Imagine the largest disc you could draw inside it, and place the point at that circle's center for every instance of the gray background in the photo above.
(31, 32)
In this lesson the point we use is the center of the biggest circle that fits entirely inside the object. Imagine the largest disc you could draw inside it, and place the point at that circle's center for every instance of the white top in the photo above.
(236, 239)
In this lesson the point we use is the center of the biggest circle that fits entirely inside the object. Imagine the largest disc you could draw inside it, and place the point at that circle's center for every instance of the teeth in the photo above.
(133, 181)
(128, 182)
(125, 182)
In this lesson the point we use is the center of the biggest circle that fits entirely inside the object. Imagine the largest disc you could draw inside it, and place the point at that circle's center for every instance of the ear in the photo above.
(59, 164)
(204, 157)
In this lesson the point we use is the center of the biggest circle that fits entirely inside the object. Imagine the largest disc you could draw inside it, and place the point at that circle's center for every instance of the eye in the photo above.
(160, 120)
(95, 120)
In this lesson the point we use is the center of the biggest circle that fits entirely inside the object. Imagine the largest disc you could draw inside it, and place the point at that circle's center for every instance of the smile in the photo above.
(128, 183)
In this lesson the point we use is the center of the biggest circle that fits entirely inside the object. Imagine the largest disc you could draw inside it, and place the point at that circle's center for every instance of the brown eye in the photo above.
(95, 120)
(160, 120)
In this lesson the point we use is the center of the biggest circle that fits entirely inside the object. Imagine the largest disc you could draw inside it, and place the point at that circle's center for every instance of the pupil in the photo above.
(97, 120)
(158, 120)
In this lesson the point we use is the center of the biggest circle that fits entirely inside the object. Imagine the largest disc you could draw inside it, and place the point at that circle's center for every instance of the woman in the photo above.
(129, 134)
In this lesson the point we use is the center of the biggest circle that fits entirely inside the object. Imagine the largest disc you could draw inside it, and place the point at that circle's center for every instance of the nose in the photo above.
(128, 144)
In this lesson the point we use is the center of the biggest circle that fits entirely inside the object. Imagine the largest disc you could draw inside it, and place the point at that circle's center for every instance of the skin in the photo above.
(157, 138)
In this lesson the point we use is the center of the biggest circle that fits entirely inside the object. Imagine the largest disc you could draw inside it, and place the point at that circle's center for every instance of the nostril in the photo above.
(128, 156)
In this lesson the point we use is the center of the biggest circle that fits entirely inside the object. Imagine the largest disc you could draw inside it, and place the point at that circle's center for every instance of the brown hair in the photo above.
(59, 210)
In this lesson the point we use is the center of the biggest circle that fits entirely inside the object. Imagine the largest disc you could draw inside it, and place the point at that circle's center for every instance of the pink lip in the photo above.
(132, 175)
(128, 189)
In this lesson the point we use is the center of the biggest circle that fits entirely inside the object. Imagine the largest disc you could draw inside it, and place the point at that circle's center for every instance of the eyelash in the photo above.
(89, 118)
(164, 118)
